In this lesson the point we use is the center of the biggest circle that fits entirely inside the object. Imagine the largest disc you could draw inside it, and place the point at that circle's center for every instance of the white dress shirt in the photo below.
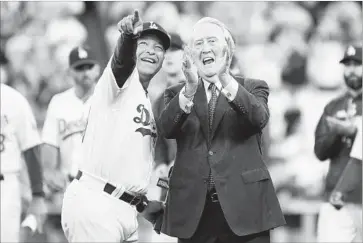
(230, 92)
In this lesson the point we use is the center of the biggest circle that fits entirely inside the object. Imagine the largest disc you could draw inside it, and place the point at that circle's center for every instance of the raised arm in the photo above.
(251, 103)
(123, 60)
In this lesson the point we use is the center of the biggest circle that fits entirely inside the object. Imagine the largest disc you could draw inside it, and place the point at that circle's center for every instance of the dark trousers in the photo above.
(213, 228)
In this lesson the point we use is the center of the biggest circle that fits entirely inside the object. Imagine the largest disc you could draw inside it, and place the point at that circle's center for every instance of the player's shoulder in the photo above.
(7, 90)
(64, 94)
(62, 97)
(16, 97)
(332, 104)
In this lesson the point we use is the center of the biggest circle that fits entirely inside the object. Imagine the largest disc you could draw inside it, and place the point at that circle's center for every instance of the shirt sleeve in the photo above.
(107, 88)
(50, 132)
(27, 132)
(185, 103)
(230, 91)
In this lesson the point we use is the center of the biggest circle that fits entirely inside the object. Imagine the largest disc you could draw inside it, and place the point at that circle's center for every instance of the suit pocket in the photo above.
(255, 175)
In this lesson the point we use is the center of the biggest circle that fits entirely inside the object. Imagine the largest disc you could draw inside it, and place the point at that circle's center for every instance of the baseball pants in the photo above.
(344, 225)
(10, 208)
(91, 215)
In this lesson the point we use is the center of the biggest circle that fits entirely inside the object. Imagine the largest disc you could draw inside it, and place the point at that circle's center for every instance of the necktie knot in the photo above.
(212, 87)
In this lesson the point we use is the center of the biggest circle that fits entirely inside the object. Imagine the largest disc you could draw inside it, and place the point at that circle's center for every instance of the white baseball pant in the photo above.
(10, 208)
(344, 225)
(91, 215)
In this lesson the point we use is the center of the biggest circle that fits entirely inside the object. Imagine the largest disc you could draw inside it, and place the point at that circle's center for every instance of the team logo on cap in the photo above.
(351, 51)
(82, 53)
(153, 25)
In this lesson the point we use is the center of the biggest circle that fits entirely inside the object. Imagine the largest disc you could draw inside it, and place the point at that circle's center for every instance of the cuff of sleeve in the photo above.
(185, 103)
(230, 91)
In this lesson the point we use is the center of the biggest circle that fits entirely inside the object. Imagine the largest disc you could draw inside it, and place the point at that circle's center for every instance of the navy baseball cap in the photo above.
(156, 29)
(176, 42)
(80, 56)
(352, 53)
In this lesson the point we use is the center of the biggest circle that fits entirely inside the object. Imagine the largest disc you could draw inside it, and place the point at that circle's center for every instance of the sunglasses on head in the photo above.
(84, 67)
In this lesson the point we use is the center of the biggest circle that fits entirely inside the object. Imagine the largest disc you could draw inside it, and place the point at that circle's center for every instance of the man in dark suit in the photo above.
(220, 188)
(334, 136)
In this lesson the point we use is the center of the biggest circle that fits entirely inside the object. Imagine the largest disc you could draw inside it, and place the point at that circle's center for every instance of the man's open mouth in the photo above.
(208, 60)
(149, 60)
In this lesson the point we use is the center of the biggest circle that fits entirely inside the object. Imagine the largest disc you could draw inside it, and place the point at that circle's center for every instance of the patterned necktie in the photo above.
(211, 110)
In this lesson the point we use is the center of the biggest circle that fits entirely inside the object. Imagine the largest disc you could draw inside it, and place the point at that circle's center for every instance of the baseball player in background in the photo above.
(335, 135)
(19, 139)
(101, 204)
(62, 133)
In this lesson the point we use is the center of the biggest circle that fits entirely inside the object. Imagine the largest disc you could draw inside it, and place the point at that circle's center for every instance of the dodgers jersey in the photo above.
(120, 136)
(19, 130)
(64, 126)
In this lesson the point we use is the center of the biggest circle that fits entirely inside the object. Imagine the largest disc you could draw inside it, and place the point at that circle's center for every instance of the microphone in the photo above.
(163, 183)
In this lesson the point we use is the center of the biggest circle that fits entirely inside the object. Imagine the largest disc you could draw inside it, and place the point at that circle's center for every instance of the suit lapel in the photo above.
(201, 108)
(221, 108)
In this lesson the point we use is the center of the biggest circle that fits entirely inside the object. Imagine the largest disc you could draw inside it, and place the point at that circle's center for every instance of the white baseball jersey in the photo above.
(64, 126)
(18, 129)
(120, 136)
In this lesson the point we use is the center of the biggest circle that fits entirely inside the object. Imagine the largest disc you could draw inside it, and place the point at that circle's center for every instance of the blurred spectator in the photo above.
(164, 13)
(292, 15)
(4, 76)
(11, 17)
(247, 20)
(341, 21)
(52, 10)
(322, 70)
(189, 15)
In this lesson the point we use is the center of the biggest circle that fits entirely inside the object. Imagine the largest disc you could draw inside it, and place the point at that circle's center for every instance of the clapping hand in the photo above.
(190, 72)
(343, 127)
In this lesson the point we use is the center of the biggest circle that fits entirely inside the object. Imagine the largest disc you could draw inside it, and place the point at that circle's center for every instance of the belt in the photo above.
(1, 177)
(139, 201)
(213, 196)
(70, 178)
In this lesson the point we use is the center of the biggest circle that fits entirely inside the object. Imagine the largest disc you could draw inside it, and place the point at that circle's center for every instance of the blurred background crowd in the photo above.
(294, 46)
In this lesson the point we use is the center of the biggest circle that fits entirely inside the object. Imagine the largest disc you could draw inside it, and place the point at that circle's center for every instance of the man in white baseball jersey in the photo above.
(101, 205)
(19, 139)
(62, 133)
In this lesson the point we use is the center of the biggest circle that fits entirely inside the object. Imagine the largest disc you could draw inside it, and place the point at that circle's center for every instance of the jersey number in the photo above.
(2, 142)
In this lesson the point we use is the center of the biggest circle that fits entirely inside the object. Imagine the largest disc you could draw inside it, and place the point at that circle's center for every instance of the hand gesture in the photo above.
(342, 127)
(337, 199)
(55, 181)
(153, 211)
(131, 25)
(38, 208)
(224, 64)
(188, 68)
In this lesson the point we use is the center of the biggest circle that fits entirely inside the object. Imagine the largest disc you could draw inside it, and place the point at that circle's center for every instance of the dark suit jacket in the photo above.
(242, 181)
(336, 148)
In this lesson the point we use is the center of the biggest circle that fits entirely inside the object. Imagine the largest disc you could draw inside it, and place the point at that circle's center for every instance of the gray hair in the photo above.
(227, 34)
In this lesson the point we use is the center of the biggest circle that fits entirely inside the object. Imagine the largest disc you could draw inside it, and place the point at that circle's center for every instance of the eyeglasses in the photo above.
(83, 67)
